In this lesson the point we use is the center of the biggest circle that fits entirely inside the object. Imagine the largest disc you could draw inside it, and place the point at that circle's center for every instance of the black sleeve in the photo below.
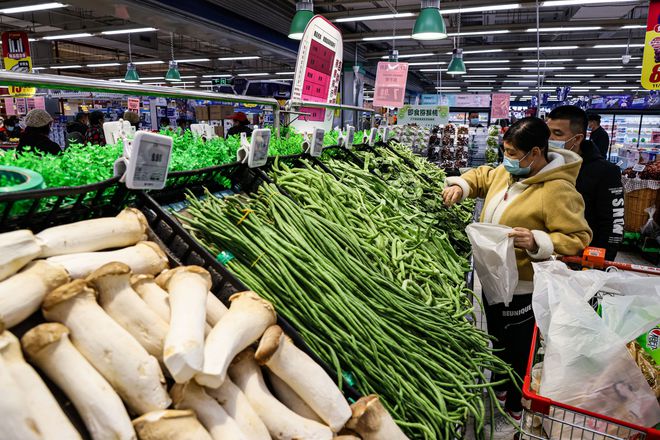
(52, 147)
(608, 213)
(602, 141)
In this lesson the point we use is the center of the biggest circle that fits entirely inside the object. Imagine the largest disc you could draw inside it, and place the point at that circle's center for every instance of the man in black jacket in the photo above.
(598, 135)
(599, 181)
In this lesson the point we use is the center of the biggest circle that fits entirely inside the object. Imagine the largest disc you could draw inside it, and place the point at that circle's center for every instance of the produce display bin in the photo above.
(545, 418)
(636, 202)
(108, 199)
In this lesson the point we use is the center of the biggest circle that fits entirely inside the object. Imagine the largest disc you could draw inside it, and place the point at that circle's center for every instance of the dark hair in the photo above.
(81, 115)
(575, 115)
(164, 121)
(96, 117)
(12, 120)
(45, 130)
(593, 117)
(527, 133)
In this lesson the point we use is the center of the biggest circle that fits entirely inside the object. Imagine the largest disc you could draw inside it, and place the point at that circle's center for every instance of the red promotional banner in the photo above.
(390, 89)
(16, 51)
(651, 62)
(134, 104)
(500, 105)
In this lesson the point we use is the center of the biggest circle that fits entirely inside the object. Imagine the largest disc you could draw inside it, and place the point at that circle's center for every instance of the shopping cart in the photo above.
(545, 418)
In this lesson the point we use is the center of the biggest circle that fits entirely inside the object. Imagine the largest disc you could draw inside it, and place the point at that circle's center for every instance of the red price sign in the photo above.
(651, 64)
(390, 87)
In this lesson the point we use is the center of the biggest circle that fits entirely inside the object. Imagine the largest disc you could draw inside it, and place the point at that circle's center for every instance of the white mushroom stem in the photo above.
(371, 420)
(22, 294)
(305, 377)
(124, 305)
(120, 359)
(17, 249)
(51, 420)
(48, 346)
(145, 257)
(158, 299)
(184, 343)
(170, 425)
(282, 423)
(214, 418)
(248, 317)
(126, 229)
(215, 309)
(232, 399)
(17, 422)
(291, 399)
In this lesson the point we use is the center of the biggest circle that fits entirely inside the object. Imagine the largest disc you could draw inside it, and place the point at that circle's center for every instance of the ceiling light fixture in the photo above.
(488, 62)
(374, 17)
(598, 67)
(480, 76)
(544, 68)
(556, 60)
(193, 60)
(572, 75)
(429, 24)
(610, 59)
(489, 69)
(285, 73)
(172, 74)
(551, 3)
(428, 63)
(304, 13)
(68, 36)
(132, 75)
(32, 8)
(484, 8)
(144, 63)
(469, 34)
(631, 75)
(104, 65)
(217, 76)
(432, 70)
(391, 37)
(533, 49)
(457, 65)
(466, 52)
(253, 74)
(566, 29)
(239, 58)
(129, 31)
(73, 66)
(616, 46)
(634, 26)
(412, 55)
(563, 81)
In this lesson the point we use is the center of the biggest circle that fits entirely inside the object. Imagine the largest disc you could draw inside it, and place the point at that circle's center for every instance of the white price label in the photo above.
(258, 155)
(350, 136)
(149, 161)
(317, 142)
(372, 137)
(639, 168)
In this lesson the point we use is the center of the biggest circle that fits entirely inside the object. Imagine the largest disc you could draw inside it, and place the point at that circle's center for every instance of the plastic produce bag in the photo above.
(586, 363)
(650, 228)
(494, 260)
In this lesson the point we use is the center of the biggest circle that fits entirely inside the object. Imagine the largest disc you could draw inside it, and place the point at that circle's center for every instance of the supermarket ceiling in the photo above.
(582, 42)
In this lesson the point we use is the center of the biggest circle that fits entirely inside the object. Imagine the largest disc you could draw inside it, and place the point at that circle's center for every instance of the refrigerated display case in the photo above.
(625, 130)
(462, 116)
(649, 135)
(630, 129)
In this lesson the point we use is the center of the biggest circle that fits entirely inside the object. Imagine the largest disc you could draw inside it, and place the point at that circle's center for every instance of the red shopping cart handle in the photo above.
(594, 258)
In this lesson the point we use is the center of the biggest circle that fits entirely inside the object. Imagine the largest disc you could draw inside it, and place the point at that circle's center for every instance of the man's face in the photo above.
(593, 125)
(560, 130)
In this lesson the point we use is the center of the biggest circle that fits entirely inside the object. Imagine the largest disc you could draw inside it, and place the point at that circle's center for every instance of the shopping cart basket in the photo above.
(545, 418)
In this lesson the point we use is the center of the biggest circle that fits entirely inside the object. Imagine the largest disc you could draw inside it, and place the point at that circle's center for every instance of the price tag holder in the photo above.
(372, 137)
(149, 161)
(386, 134)
(255, 152)
(639, 168)
(350, 137)
(316, 146)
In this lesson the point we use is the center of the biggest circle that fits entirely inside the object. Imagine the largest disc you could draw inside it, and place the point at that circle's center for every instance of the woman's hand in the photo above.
(452, 194)
(524, 239)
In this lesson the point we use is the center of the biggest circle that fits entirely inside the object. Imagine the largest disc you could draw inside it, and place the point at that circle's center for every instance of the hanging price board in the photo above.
(391, 79)
(651, 63)
(16, 58)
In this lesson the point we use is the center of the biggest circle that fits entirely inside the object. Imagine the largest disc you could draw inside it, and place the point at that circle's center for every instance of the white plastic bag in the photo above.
(494, 260)
(586, 362)
(650, 228)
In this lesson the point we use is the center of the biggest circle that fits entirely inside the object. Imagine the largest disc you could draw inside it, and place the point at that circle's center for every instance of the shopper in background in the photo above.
(164, 123)
(599, 181)
(95, 135)
(10, 129)
(77, 129)
(473, 120)
(241, 125)
(598, 135)
(132, 118)
(523, 194)
(36, 133)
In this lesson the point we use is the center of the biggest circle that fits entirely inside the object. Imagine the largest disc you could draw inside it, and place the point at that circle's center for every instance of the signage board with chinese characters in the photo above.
(500, 105)
(651, 63)
(16, 58)
(423, 115)
(390, 89)
(318, 73)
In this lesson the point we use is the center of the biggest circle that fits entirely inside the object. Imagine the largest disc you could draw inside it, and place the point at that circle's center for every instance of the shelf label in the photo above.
(316, 147)
(639, 168)
(350, 137)
(258, 154)
(149, 161)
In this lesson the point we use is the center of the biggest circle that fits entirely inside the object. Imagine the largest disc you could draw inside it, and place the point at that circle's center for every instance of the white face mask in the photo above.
(561, 144)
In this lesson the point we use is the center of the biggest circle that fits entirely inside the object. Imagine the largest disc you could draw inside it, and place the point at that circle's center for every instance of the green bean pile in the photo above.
(426, 362)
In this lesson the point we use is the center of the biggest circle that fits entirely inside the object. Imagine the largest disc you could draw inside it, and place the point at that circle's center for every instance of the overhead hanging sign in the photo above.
(500, 105)
(423, 115)
(16, 58)
(390, 89)
(651, 63)
(318, 73)
(134, 104)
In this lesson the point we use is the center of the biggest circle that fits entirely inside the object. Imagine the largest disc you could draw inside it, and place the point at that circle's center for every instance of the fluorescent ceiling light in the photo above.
(523, 76)
(579, 2)
(519, 81)
(68, 36)
(411, 55)
(607, 81)
(239, 58)
(488, 62)
(533, 49)
(556, 60)
(573, 75)
(614, 90)
(129, 31)
(469, 34)
(253, 74)
(480, 80)
(285, 73)
(563, 81)
(193, 60)
(73, 66)
(396, 37)
(634, 26)
(39, 68)
(144, 63)
(628, 87)
(432, 70)
(484, 8)
(374, 17)
(479, 76)
(428, 63)
(610, 59)
(188, 76)
(488, 69)
(31, 8)
(543, 68)
(104, 65)
(567, 29)
(206, 82)
(154, 83)
(598, 67)
(616, 46)
(152, 78)
(216, 76)
(478, 51)
(632, 75)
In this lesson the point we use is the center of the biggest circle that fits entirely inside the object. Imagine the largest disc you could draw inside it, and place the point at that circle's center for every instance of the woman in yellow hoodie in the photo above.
(534, 193)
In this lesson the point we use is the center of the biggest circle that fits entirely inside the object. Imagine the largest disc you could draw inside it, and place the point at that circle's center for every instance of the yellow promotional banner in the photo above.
(16, 58)
(651, 64)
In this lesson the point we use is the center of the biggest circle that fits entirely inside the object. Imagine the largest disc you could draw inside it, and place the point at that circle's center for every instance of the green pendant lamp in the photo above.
(131, 71)
(172, 74)
(429, 24)
(457, 66)
(304, 13)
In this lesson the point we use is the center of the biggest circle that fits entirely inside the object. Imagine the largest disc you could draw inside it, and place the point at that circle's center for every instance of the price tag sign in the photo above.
(390, 89)
(651, 61)
(372, 137)
(350, 137)
(149, 161)
(316, 147)
(639, 168)
(258, 154)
